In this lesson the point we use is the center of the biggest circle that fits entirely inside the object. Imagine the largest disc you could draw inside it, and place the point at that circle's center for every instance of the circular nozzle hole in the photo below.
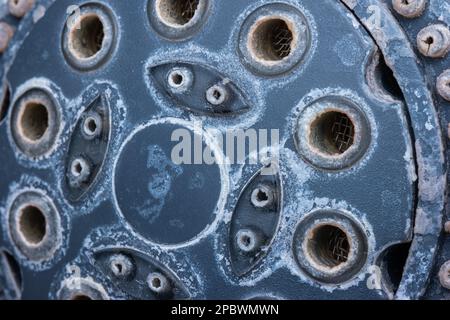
(77, 168)
(177, 79)
(332, 133)
(217, 95)
(92, 126)
(272, 40)
(329, 246)
(86, 39)
(180, 79)
(35, 225)
(89, 36)
(80, 172)
(32, 224)
(158, 283)
(275, 39)
(34, 121)
(248, 240)
(262, 196)
(177, 12)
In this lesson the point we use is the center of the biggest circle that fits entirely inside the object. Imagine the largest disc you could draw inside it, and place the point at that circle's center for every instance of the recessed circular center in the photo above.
(86, 38)
(32, 224)
(34, 121)
(177, 78)
(77, 168)
(329, 246)
(332, 133)
(262, 196)
(91, 125)
(177, 12)
(271, 39)
(163, 190)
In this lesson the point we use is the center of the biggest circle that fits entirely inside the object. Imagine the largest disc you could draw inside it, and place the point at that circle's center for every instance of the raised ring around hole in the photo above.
(158, 283)
(330, 246)
(92, 126)
(35, 122)
(180, 79)
(332, 133)
(217, 95)
(262, 197)
(80, 171)
(248, 240)
(89, 37)
(274, 39)
(35, 225)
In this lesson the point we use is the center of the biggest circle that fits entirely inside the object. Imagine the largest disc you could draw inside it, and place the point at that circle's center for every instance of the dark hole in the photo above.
(32, 224)
(429, 40)
(217, 94)
(156, 283)
(272, 40)
(246, 241)
(387, 79)
(34, 121)
(332, 132)
(178, 11)
(262, 196)
(92, 125)
(393, 262)
(119, 267)
(88, 40)
(177, 78)
(78, 168)
(329, 245)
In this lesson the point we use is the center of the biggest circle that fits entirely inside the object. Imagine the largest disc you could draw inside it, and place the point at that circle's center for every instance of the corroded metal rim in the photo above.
(400, 56)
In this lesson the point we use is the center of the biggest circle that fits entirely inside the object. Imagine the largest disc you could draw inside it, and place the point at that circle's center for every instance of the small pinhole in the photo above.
(177, 79)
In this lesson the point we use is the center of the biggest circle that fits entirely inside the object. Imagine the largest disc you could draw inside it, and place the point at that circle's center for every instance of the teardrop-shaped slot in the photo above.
(139, 275)
(199, 89)
(255, 221)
